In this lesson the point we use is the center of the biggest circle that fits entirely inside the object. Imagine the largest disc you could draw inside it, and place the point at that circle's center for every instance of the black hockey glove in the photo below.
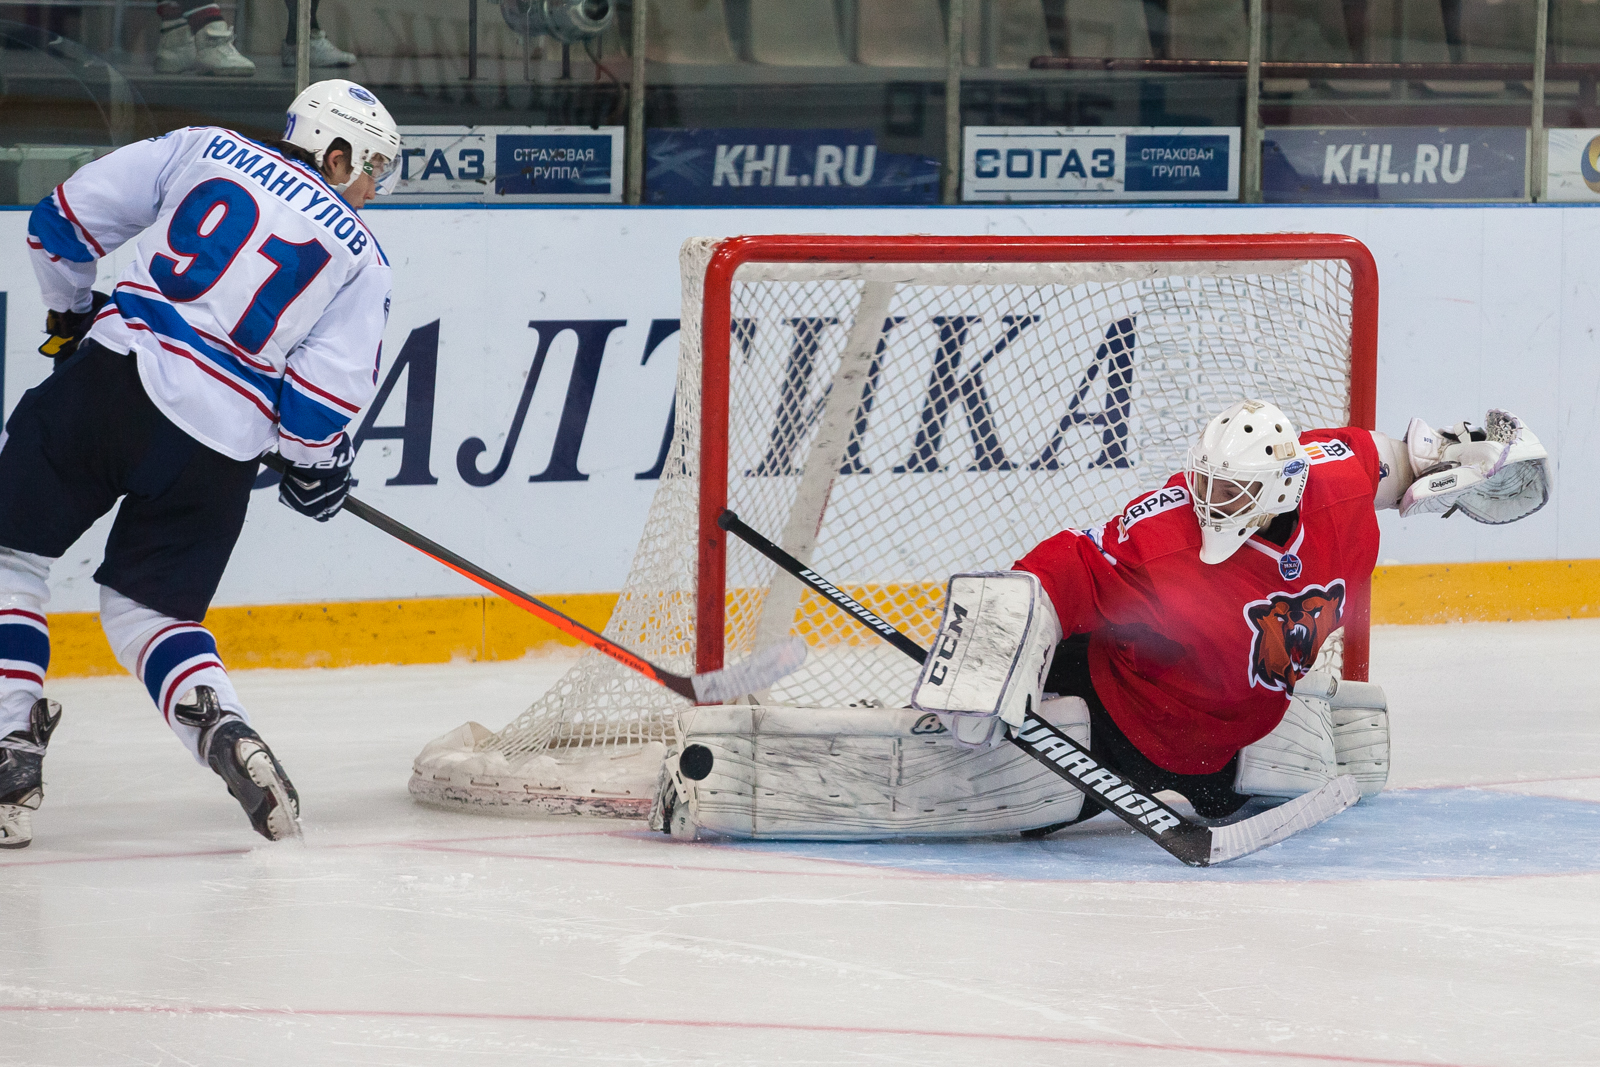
(318, 490)
(68, 328)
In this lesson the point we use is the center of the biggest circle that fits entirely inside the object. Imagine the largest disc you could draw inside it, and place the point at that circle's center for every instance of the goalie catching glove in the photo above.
(1495, 474)
(989, 662)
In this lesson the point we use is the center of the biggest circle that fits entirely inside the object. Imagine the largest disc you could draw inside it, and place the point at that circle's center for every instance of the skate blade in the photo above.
(281, 820)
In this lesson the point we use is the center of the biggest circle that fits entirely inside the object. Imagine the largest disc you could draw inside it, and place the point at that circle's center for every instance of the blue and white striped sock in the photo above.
(24, 636)
(170, 656)
(24, 657)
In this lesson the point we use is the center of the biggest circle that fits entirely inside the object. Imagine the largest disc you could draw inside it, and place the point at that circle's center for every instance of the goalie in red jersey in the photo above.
(1193, 622)
(1194, 615)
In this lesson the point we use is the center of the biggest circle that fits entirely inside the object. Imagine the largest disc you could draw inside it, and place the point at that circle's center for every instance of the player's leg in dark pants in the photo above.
(84, 438)
(69, 445)
(1211, 794)
(89, 435)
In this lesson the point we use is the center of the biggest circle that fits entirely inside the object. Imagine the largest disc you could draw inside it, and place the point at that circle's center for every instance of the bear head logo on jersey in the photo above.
(1289, 631)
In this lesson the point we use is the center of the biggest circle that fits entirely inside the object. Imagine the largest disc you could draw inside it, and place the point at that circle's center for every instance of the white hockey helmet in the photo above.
(340, 108)
(1246, 467)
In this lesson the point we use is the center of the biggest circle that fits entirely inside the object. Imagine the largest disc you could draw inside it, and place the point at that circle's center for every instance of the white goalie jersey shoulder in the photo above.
(989, 661)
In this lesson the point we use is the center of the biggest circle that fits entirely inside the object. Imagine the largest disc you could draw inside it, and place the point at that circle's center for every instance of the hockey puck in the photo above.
(695, 763)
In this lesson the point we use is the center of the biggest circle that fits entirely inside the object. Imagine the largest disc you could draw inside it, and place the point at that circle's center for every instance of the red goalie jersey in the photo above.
(1193, 661)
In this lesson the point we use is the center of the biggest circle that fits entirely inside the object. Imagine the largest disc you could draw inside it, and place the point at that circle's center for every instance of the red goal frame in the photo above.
(717, 333)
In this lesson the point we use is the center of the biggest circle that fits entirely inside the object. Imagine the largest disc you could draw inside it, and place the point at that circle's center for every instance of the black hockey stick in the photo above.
(1194, 844)
(734, 525)
(713, 687)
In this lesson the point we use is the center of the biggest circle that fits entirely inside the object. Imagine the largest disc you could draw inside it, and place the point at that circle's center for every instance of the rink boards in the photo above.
(1480, 305)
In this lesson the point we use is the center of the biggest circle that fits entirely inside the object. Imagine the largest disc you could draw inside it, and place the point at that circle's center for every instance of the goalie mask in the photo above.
(1246, 467)
(339, 108)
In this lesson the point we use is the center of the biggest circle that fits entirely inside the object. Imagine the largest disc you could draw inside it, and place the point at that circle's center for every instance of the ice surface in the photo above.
(1406, 834)
(1435, 925)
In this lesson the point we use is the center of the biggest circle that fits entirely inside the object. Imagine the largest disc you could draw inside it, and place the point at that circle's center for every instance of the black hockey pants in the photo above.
(1211, 794)
(89, 434)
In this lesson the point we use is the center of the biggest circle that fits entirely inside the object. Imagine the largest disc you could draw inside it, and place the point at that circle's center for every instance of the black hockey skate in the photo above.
(252, 773)
(21, 773)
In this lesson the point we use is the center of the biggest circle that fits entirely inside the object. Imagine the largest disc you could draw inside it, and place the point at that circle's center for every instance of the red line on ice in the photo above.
(127, 857)
(711, 1024)
(852, 868)
(1488, 785)
(856, 870)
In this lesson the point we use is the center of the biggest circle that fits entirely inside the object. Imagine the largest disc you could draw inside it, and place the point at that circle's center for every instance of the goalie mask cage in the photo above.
(895, 409)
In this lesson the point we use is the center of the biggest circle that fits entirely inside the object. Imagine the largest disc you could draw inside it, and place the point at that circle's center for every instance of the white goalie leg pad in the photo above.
(1360, 716)
(1331, 727)
(854, 774)
(1298, 755)
(989, 662)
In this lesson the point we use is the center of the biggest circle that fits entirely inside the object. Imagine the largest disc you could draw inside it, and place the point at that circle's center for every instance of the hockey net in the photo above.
(892, 410)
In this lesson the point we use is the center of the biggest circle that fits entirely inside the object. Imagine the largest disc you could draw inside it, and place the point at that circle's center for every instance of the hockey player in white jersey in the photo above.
(249, 320)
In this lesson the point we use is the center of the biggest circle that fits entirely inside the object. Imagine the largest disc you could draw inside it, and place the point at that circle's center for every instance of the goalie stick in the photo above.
(713, 687)
(1195, 844)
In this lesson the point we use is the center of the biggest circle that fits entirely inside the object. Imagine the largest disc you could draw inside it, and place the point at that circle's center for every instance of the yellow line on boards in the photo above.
(477, 629)
(1521, 591)
(350, 633)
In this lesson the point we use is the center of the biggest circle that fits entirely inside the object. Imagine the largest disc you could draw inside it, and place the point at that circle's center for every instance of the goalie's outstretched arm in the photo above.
(1495, 473)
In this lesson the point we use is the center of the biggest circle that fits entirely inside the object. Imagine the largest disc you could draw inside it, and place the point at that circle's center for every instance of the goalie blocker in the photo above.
(989, 662)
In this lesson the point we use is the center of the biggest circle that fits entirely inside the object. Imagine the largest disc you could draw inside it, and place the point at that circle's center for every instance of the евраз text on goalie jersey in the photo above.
(1194, 661)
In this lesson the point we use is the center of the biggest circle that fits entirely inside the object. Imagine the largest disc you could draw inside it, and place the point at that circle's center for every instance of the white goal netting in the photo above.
(891, 424)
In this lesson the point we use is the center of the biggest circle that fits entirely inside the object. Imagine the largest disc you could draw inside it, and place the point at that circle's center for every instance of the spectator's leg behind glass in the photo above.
(198, 39)
(1155, 18)
(1355, 28)
(323, 52)
(1450, 11)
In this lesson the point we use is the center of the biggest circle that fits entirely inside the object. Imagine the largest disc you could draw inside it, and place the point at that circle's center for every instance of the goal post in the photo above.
(892, 410)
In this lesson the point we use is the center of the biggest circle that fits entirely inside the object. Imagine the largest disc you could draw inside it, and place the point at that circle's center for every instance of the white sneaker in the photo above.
(323, 52)
(175, 53)
(214, 52)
